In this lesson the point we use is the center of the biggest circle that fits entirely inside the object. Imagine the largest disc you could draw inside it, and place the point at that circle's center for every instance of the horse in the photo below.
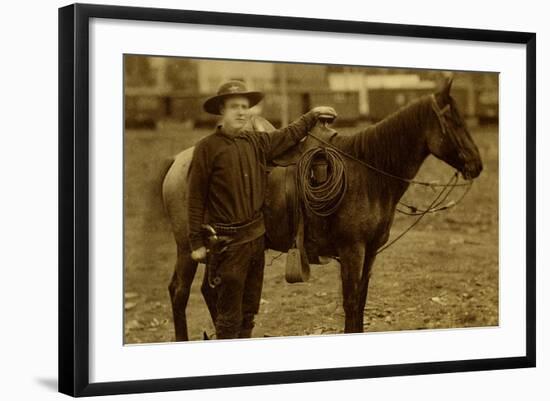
(394, 148)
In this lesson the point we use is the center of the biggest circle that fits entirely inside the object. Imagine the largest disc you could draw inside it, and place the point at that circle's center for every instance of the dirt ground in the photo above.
(442, 274)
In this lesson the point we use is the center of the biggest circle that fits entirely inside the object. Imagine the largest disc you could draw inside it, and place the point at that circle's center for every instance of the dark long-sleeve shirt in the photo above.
(227, 176)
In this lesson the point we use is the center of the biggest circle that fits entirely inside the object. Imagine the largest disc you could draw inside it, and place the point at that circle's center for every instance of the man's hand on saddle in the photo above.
(324, 114)
(199, 254)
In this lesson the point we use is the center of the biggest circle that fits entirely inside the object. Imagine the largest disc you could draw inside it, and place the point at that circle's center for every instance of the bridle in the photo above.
(440, 114)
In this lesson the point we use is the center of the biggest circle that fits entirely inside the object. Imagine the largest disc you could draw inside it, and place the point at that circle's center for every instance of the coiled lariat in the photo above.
(321, 198)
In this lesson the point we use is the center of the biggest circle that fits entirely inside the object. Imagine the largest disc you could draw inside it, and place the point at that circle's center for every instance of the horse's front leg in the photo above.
(352, 259)
(364, 282)
(179, 289)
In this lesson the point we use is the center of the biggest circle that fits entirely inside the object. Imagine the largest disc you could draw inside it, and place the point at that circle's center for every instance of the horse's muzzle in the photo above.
(472, 169)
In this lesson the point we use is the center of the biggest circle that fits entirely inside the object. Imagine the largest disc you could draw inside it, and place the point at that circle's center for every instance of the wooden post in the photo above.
(284, 95)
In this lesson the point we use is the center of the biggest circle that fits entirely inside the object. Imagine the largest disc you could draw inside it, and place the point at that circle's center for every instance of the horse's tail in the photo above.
(155, 210)
(165, 166)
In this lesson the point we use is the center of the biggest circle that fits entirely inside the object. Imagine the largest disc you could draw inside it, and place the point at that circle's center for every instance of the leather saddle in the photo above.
(293, 155)
(285, 219)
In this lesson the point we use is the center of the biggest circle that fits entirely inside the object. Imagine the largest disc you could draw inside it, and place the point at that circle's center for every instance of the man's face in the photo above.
(235, 113)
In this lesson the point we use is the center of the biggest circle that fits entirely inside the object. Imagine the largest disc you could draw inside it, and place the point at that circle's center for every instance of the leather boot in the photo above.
(245, 333)
(226, 332)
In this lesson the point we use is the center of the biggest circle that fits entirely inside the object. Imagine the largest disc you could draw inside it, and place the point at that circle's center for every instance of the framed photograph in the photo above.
(251, 199)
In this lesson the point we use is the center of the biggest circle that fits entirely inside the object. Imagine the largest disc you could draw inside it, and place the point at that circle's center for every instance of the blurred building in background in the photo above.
(160, 89)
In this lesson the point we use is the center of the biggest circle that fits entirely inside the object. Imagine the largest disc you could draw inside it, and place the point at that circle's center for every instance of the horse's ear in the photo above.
(446, 90)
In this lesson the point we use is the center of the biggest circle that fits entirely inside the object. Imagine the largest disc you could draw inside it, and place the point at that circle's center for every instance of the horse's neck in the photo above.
(396, 145)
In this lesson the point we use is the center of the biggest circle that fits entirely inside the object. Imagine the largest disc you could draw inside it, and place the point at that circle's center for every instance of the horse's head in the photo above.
(448, 138)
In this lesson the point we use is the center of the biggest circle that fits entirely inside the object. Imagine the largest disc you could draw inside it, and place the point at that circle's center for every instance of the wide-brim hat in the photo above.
(228, 89)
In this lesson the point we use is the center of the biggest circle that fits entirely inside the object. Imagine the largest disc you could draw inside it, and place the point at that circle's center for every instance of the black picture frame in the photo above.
(74, 194)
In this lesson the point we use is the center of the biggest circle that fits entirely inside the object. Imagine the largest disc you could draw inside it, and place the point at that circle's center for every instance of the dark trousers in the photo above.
(238, 295)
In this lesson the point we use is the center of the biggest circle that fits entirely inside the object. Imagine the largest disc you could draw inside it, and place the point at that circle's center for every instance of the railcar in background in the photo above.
(144, 109)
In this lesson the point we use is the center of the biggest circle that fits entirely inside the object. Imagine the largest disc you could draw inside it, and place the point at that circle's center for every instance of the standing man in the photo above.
(227, 183)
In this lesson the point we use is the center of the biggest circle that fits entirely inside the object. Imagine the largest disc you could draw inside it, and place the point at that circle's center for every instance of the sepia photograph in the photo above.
(271, 199)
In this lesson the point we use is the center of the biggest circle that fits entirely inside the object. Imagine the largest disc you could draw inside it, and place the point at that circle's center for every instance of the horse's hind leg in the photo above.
(179, 289)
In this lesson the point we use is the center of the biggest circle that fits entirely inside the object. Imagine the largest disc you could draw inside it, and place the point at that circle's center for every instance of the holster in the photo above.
(216, 246)
(212, 264)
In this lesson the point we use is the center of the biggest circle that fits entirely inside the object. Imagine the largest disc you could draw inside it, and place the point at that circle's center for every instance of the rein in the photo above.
(446, 189)
(431, 209)
(371, 167)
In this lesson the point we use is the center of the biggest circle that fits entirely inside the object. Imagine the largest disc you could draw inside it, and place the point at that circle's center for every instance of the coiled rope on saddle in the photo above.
(321, 198)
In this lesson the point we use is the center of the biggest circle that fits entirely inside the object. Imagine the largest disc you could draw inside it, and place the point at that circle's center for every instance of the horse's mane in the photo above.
(385, 143)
